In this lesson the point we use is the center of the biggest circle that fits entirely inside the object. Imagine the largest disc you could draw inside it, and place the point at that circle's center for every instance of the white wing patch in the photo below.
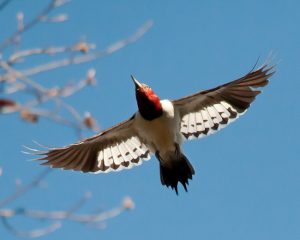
(125, 154)
(208, 120)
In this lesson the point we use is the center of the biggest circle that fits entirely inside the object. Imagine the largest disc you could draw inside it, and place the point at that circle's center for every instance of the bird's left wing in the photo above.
(208, 111)
(112, 150)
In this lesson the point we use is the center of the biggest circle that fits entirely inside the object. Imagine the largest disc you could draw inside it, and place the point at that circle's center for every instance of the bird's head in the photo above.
(148, 102)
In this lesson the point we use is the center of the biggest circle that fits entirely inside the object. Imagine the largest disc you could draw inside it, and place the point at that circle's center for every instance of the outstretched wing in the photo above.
(208, 111)
(112, 150)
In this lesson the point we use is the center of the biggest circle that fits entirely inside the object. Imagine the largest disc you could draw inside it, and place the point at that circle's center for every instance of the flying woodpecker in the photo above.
(159, 127)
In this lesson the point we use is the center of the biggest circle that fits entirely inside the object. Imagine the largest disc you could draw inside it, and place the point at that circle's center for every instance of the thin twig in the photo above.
(29, 25)
(55, 117)
(14, 80)
(80, 203)
(58, 216)
(4, 3)
(17, 74)
(49, 51)
(88, 57)
(33, 233)
(24, 189)
(63, 215)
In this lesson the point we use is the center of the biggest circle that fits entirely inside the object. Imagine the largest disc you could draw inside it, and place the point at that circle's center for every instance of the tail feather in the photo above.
(177, 170)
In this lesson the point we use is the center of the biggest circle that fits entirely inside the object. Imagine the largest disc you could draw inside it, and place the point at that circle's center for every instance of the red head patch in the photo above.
(148, 102)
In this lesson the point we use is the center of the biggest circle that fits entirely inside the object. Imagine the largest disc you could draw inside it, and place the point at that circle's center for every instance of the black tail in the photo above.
(177, 170)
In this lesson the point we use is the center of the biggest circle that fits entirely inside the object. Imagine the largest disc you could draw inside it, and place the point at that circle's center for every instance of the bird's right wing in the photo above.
(112, 150)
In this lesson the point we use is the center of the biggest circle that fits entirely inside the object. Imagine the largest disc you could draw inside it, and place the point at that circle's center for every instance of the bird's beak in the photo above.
(136, 82)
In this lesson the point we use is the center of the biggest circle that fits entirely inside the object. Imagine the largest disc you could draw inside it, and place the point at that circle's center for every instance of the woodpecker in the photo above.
(159, 127)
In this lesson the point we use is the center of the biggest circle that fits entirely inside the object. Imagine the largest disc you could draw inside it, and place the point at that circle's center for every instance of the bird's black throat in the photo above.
(148, 108)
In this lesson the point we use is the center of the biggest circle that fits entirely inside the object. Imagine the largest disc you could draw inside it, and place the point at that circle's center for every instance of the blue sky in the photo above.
(247, 182)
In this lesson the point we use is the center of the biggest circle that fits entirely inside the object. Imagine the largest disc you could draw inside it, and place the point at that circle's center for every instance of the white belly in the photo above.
(162, 133)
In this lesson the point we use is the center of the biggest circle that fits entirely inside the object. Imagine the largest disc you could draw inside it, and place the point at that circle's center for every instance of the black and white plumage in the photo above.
(159, 127)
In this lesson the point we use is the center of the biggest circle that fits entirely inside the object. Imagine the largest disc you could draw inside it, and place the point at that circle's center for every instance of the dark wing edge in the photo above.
(114, 149)
(242, 92)
(210, 110)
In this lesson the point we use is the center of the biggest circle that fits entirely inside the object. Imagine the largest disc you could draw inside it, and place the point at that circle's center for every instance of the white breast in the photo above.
(161, 133)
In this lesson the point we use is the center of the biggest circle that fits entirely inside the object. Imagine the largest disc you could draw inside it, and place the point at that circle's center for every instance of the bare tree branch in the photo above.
(69, 214)
(10, 40)
(88, 57)
(42, 94)
(80, 47)
(4, 3)
(15, 81)
(22, 190)
(92, 219)
(30, 234)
